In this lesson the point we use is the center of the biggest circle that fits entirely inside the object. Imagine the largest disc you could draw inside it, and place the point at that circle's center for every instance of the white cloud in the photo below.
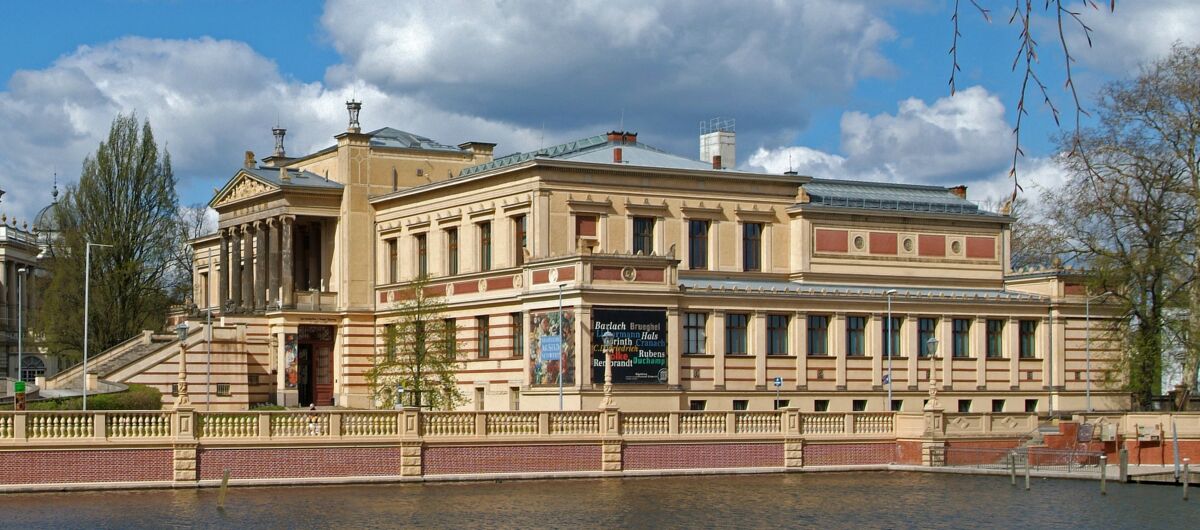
(1135, 34)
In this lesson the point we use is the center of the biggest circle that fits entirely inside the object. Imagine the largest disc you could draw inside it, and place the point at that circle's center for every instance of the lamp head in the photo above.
(933, 345)
(182, 330)
(891, 292)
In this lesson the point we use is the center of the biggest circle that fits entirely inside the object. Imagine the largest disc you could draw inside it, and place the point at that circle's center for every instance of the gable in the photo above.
(242, 186)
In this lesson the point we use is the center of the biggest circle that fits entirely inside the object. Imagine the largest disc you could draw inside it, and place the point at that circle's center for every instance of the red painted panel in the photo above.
(436, 290)
(566, 273)
(466, 287)
(981, 247)
(541, 276)
(883, 243)
(649, 275)
(832, 240)
(606, 273)
(931, 245)
(585, 225)
(503, 282)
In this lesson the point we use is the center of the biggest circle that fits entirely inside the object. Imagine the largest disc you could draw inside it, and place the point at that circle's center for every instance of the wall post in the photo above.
(793, 441)
(184, 446)
(410, 442)
(612, 444)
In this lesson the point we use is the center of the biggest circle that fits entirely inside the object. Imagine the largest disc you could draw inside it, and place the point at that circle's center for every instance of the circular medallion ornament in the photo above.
(482, 286)
(628, 274)
(956, 247)
(449, 289)
(553, 275)
(517, 280)
(908, 244)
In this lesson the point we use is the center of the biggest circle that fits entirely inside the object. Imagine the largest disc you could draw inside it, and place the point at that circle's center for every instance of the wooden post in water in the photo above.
(224, 488)
(1103, 475)
(1187, 476)
(1012, 469)
(1124, 464)
(1027, 473)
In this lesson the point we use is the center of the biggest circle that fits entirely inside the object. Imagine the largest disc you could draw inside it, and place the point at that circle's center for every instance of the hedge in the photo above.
(137, 397)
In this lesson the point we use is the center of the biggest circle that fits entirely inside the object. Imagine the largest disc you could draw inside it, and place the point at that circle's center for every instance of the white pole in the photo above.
(888, 324)
(20, 322)
(562, 357)
(208, 336)
(87, 285)
(1087, 304)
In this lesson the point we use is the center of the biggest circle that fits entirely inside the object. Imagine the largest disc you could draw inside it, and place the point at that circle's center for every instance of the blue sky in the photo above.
(843, 89)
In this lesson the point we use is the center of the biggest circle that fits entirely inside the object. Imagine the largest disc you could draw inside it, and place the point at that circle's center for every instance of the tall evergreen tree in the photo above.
(125, 198)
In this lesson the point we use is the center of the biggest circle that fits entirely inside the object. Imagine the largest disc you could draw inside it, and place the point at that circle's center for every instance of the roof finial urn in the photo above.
(279, 133)
(353, 107)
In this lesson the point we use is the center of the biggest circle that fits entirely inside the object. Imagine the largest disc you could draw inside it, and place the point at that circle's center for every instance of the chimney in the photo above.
(959, 191)
(353, 107)
(249, 160)
(283, 175)
(616, 155)
(615, 136)
(717, 137)
(279, 133)
(716, 160)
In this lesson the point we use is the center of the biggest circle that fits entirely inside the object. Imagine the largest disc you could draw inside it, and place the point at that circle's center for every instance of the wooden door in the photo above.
(323, 374)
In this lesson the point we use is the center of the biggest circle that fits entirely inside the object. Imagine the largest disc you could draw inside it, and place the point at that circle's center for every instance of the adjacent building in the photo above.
(709, 287)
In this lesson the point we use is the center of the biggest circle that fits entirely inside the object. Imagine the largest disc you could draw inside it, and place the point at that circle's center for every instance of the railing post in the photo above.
(185, 446)
(481, 424)
(611, 452)
(544, 423)
(264, 425)
(730, 423)
(673, 423)
(793, 442)
(849, 419)
(20, 422)
(410, 442)
(987, 422)
(335, 424)
(100, 426)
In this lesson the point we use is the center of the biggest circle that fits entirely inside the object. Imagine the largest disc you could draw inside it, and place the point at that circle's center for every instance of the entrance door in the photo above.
(323, 372)
(315, 365)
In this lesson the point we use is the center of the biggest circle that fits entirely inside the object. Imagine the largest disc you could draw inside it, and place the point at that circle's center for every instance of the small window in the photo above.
(450, 327)
(741, 404)
(452, 251)
(962, 338)
(859, 405)
(390, 339)
(518, 333)
(781, 404)
(520, 237)
(821, 405)
(995, 341)
(174, 389)
(478, 399)
(752, 246)
(254, 379)
(693, 332)
(818, 335)
(698, 244)
(1031, 405)
(485, 246)
(422, 255)
(997, 405)
(393, 261)
(514, 398)
(697, 404)
(897, 405)
(777, 334)
(735, 333)
(485, 337)
(891, 337)
(964, 405)
(1028, 344)
(643, 235)
(856, 336)
(223, 390)
(926, 329)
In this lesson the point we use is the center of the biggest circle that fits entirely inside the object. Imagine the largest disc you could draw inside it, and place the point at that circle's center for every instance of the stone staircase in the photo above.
(116, 358)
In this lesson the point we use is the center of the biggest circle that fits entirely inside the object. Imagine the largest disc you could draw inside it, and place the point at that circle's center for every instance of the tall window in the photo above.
(451, 330)
(485, 246)
(422, 255)
(694, 325)
(962, 338)
(752, 246)
(735, 333)
(521, 238)
(856, 337)
(518, 334)
(643, 235)
(818, 335)
(393, 259)
(777, 334)
(485, 337)
(891, 338)
(452, 251)
(995, 342)
(698, 244)
(389, 340)
(926, 329)
(1028, 344)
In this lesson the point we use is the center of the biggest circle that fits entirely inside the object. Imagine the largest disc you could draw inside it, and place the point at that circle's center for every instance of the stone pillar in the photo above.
(674, 347)
(260, 266)
(793, 443)
(612, 444)
(837, 332)
(247, 267)
(235, 270)
(223, 281)
(877, 349)
(717, 339)
(273, 296)
(314, 256)
(184, 445)
(410, 442)
(799, 347)
(287, 268)
(757, 335)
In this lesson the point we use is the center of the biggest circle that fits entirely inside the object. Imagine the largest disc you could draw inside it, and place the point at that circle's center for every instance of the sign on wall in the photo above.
(547, 355)
(637, 341)
(291, 368)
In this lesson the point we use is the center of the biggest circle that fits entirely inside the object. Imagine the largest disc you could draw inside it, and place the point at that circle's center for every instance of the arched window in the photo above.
(32, 368)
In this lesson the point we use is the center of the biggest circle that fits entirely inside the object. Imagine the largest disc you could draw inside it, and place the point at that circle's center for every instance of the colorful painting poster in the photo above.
(546, 369)
(291, 366)
(636, 339)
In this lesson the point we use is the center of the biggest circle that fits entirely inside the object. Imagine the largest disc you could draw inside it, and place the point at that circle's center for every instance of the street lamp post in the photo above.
(21, 272)
(1087, 305)
(562, 357)
(933, 351)
(607, 337)
(182, 400)
(87, 290)
(890, 293)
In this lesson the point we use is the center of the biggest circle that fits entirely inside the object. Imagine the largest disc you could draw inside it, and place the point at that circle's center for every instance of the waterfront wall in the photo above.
(186, 448)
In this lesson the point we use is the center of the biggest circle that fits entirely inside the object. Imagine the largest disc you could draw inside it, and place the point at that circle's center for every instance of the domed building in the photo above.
(22, 248)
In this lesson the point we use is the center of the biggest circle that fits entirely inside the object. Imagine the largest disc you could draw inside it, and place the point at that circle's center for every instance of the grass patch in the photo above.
(137, 397)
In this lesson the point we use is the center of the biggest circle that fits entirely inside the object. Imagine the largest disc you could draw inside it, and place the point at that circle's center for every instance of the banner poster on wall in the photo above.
(291, 368)
(638, 342)
(545, 368)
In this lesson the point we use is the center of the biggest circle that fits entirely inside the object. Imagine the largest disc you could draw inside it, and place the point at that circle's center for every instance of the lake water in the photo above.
(814, 500)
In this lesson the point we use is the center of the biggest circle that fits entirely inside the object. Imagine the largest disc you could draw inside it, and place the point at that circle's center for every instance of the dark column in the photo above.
(273, 296)
(235, 269)
(286, 264)
(260, 266)
(314, 256)
(223, 282)
(247, 267)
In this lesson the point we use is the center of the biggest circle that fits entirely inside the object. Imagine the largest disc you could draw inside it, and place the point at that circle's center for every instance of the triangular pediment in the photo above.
(242, 186)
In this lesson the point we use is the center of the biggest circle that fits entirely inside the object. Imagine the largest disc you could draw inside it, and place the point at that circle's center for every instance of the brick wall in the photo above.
(849, 454)
(73, 466)
(510, 459)
(986, 452)
(908, 452)
(702, 456)
(281, 462)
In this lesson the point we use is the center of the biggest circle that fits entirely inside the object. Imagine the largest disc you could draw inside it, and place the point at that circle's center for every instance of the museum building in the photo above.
(709, 287)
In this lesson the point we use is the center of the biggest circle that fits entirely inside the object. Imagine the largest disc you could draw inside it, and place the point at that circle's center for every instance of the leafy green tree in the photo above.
(417, 364)
(125, 198)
